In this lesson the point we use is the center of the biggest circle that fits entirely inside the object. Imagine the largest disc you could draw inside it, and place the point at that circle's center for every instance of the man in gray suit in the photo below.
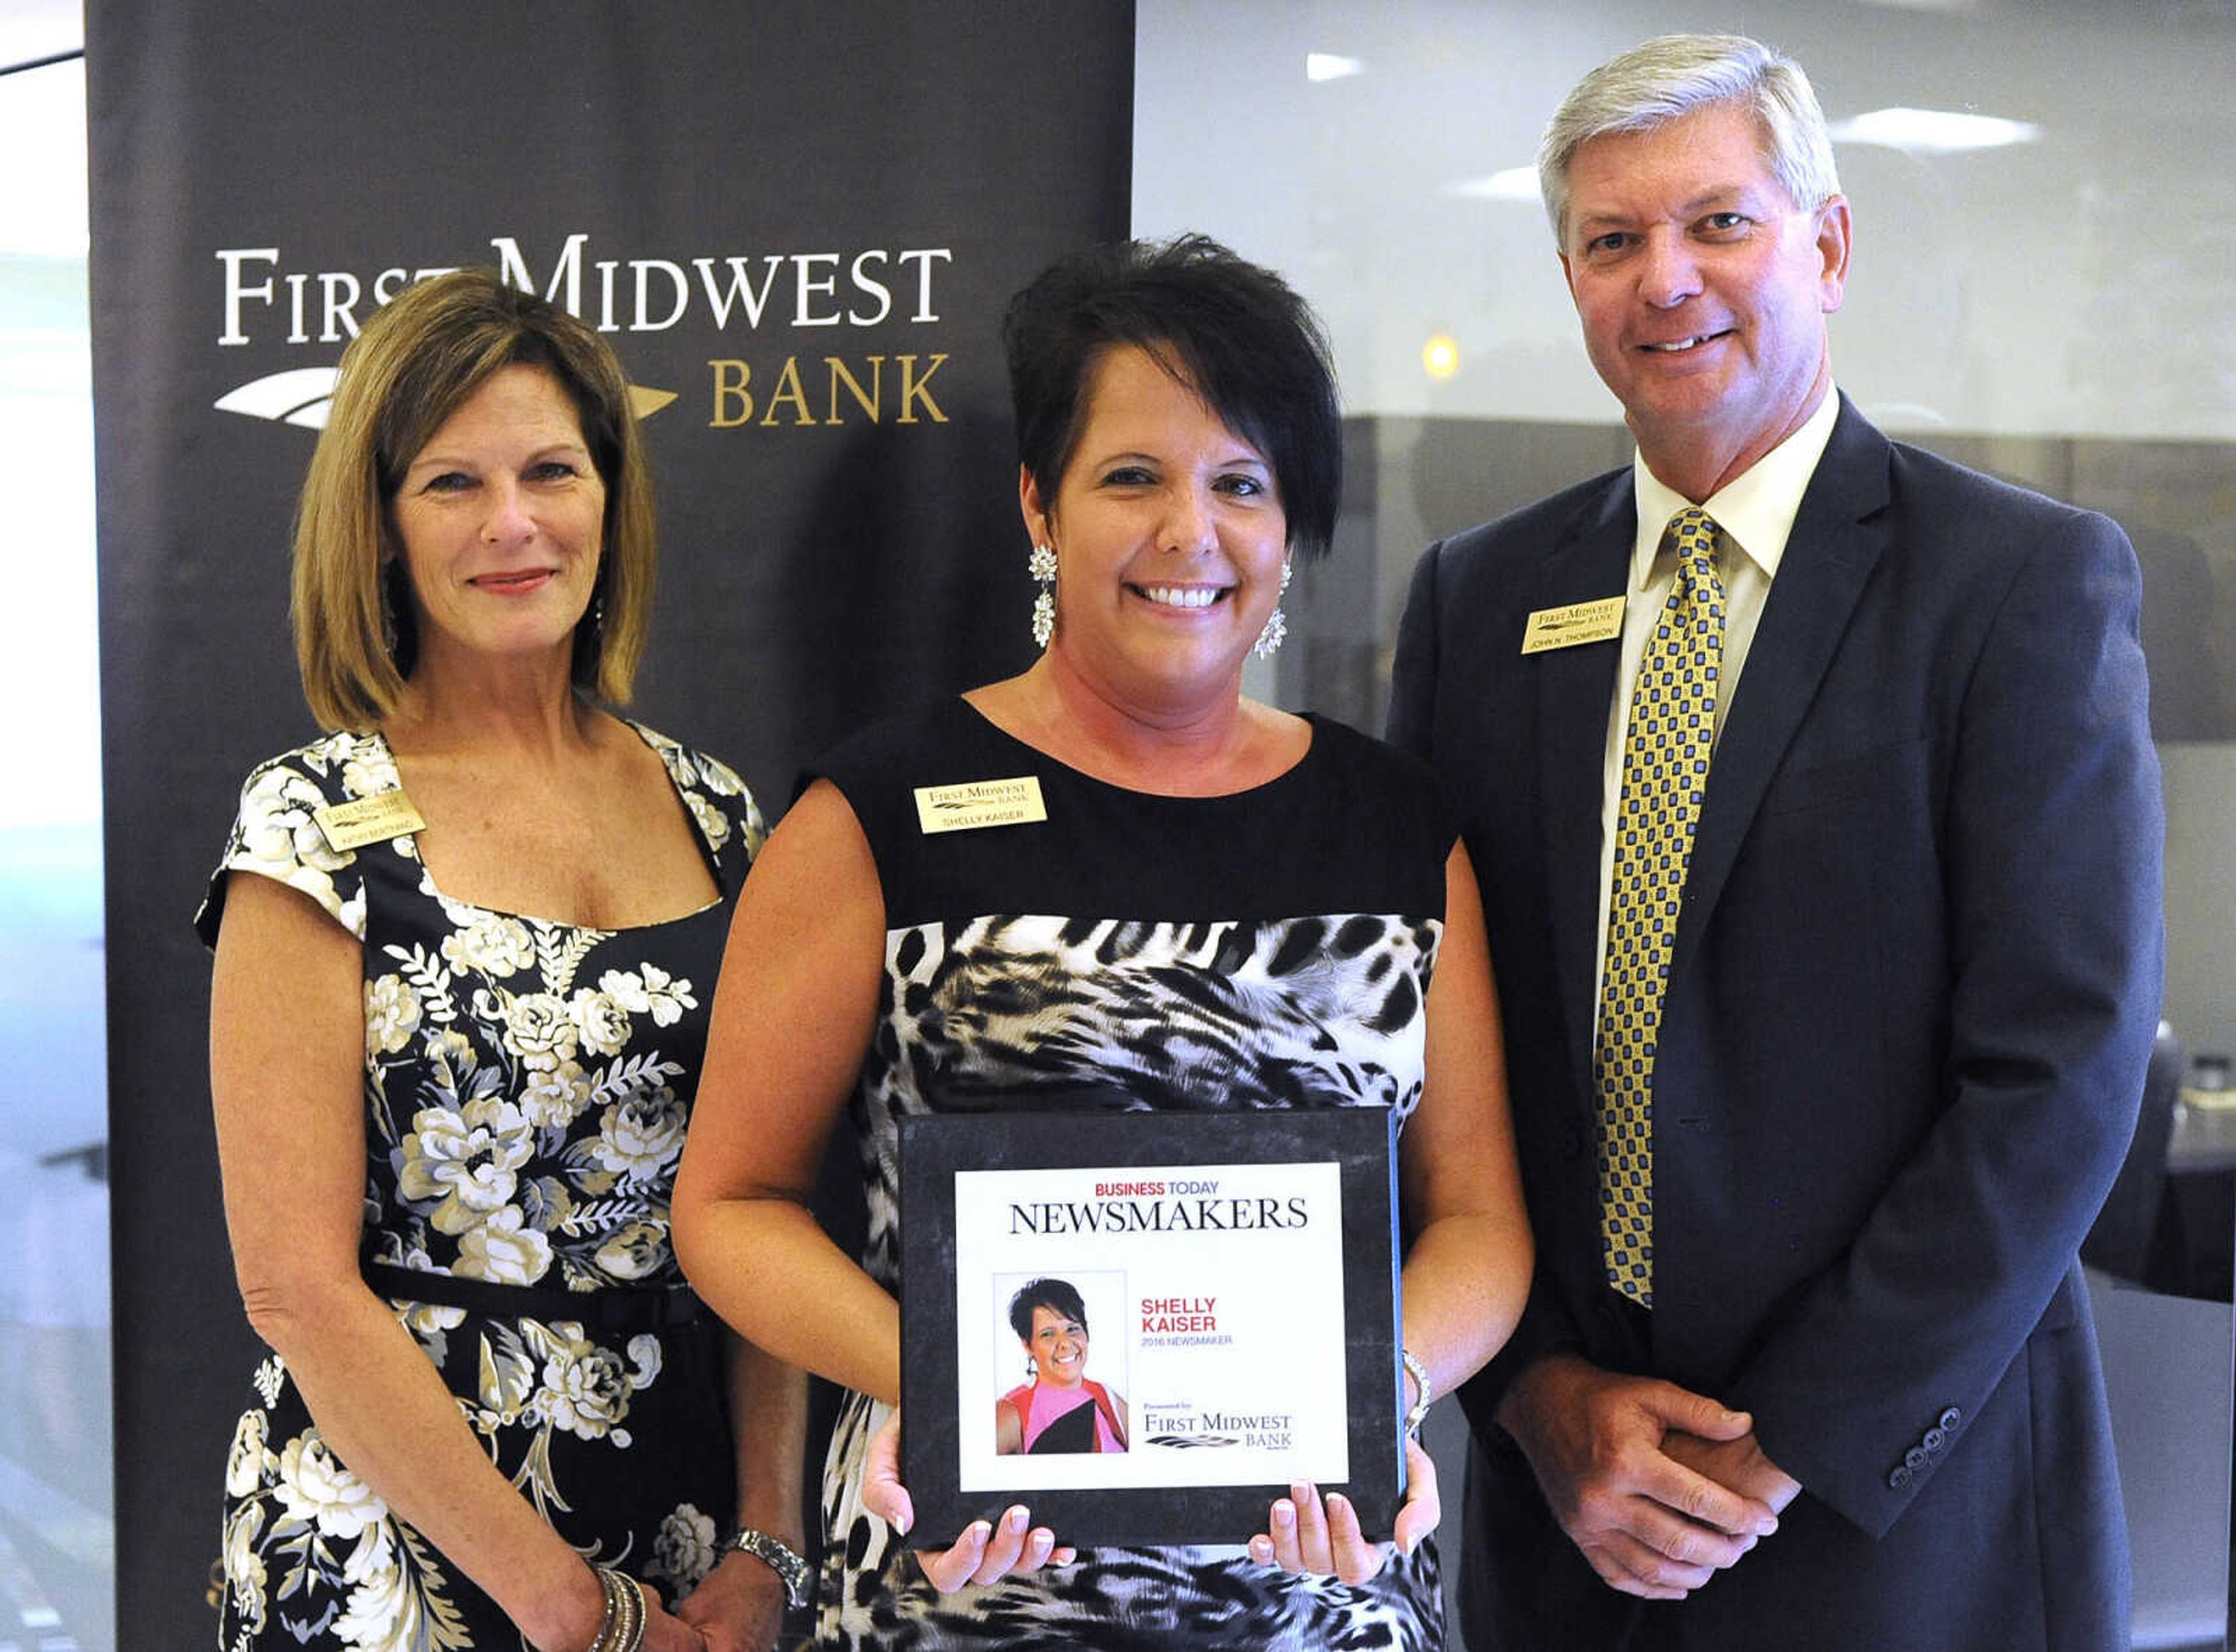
(1809, 783)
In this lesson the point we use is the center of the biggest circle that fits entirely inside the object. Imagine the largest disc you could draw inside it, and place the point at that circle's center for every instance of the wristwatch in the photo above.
(790, 1569)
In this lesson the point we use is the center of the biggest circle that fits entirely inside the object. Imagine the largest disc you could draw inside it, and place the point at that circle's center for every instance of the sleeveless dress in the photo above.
(1043, 1411)
(526, 1089)
(1268, 949)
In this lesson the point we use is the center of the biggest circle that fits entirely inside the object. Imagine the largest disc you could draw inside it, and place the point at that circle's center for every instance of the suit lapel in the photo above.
(1574, 690)
(1833, 548)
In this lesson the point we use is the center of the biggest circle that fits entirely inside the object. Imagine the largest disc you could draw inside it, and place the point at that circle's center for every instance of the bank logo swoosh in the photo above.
(302, 396)
(299, 396)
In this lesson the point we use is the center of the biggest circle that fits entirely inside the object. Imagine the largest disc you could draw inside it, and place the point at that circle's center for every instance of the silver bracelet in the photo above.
(622, 1628)
(1422, 1395)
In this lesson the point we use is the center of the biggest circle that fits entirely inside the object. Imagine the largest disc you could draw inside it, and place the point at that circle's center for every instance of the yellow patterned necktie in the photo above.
(1665, 776)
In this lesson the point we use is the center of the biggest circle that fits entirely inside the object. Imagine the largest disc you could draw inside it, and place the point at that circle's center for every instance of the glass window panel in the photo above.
(57, 1528)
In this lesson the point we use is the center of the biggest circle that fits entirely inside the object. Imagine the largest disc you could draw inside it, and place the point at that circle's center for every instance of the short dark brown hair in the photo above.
(1234, 332)
(1057, 1296)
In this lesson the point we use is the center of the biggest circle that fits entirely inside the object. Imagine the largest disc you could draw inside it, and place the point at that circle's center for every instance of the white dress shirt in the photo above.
(1756, 512)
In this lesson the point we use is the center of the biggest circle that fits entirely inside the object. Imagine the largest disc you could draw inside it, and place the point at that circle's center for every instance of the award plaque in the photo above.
(1146, 1325)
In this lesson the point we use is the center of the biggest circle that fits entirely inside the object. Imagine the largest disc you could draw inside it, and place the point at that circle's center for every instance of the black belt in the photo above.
(608, 1308)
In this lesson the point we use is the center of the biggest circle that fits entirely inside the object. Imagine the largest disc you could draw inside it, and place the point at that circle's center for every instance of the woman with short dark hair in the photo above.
(1059, 1407)
(1222, 908)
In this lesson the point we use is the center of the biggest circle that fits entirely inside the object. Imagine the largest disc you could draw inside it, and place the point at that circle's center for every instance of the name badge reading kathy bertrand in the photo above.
(979, 803)
(1565, 628)
(367, 820)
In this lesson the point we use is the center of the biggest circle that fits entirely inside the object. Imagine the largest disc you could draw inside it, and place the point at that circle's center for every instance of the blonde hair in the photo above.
(418, 360)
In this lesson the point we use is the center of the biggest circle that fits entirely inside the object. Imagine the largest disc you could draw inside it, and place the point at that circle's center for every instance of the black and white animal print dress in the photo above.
(1268, 949)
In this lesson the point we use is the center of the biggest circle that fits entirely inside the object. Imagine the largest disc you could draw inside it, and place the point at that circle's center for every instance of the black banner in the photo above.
(800, 222)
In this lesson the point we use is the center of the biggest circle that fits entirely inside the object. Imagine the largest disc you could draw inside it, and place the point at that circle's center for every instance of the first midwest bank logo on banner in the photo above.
(867, 288)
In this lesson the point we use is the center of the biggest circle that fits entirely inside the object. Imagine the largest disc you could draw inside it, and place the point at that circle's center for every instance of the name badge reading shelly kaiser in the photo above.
(1565, 628)
(979, 803)
(367, 820)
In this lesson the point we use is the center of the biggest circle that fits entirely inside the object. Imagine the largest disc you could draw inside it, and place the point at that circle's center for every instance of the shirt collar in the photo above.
(1756, 508)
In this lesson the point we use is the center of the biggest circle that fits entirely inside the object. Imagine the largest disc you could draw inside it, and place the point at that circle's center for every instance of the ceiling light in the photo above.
(1932, 131)
(1326, 66)
(1516, 183)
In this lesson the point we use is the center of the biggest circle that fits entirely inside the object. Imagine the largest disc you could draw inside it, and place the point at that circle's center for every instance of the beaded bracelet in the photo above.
(622, 1629)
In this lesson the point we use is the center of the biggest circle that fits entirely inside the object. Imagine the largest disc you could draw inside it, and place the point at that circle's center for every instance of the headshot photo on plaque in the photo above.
(1058, 1408)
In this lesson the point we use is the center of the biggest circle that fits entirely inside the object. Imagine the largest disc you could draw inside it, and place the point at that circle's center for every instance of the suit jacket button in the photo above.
(1899, 1478)
(1951, 1418)
(1914, 1457)
(1935, 1440)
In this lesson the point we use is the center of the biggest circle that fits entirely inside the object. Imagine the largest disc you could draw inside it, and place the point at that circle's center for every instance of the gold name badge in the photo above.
(1565, 628)
(367, 820)
(979, 803)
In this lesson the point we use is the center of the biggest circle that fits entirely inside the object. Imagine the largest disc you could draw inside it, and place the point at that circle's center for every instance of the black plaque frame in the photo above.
(1361, 1141)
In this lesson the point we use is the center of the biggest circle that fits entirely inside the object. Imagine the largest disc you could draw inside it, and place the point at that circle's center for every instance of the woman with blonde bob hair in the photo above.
(457, 1022)
(427, 352)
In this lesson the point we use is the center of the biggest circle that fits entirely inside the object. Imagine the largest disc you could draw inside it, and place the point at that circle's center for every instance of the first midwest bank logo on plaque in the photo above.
(725, 295)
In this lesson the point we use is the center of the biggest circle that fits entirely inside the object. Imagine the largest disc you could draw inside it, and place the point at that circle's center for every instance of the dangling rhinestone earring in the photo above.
(1042, 566)
(1276, 623)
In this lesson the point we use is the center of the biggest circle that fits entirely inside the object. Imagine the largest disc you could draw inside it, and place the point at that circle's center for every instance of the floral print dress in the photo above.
(527, 1084)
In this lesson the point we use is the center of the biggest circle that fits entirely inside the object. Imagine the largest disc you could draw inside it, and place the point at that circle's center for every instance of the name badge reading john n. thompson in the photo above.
(1577, 622)
(367, 820)
(979, 803)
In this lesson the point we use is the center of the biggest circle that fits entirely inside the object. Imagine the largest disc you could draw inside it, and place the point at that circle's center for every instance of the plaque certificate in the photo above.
(1146, 1325)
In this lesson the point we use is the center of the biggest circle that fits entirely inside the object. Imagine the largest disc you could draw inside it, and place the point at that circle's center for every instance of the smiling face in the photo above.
(501, 517)
(1169, 537)
(1702, 290)
(1058, 1348)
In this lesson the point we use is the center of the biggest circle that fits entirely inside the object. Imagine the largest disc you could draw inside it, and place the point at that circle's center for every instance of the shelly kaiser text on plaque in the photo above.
(1146, 1325)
